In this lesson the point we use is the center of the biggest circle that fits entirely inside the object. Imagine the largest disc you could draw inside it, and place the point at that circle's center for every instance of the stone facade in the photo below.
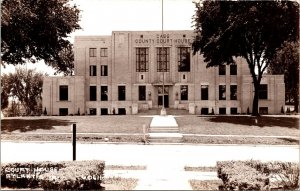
(124, 74)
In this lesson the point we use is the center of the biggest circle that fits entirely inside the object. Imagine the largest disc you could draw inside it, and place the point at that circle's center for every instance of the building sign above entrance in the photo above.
(164, 39)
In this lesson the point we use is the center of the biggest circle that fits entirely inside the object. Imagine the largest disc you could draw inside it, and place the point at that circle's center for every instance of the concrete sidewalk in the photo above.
(165, 163)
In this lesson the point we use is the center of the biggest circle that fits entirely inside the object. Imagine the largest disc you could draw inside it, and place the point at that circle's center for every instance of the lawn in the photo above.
(129, 128)
(239, 125)
(84, 124)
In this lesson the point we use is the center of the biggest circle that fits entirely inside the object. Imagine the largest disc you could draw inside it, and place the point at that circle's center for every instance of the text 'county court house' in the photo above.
(125, 73)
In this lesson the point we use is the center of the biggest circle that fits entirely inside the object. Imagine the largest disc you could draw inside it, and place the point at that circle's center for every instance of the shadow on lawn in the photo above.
(289, 140)
(10, 125)
(262, 121)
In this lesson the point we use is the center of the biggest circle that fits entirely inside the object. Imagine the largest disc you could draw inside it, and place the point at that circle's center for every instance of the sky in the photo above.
(101, 17)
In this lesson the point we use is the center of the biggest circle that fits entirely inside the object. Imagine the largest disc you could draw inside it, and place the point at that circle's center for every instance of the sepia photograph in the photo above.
(150, 95)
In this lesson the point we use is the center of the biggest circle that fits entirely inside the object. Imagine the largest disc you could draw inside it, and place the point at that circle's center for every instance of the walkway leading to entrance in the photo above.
(164, 129)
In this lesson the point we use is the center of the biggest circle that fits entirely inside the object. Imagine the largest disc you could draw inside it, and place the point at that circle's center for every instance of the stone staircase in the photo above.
(170, 111)
(164, 129)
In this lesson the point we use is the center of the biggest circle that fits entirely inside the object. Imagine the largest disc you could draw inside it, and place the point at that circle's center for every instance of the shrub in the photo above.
(237, 175)
(75, 175)
(256, 175)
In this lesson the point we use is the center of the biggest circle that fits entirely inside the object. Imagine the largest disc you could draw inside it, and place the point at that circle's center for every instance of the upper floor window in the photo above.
(233, 69)
(93, 52)
(183, 59)
(163, 59)
(93, 70)
(263, 91)
(63, 93)
(222, 69)
(204, 92)
(142, 59)
(103, 70)
(233, 92)
(184, 91)
(93, 93)
(104, 96)
(103, 52)
(222, 92)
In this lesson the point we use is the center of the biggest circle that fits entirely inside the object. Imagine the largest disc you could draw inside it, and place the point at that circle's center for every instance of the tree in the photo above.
(286, 62)
(5, 91)
(26, 86)
(33, 30)
(252, 30)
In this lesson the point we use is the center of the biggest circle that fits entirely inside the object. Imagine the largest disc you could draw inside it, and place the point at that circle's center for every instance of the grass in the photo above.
(79, 138)
(240, 140)
(25, 125)
(205, 184)
(84, 124)
(117, 167)
(201, 168)
(239, 125)
(132, 126)
(118, 183)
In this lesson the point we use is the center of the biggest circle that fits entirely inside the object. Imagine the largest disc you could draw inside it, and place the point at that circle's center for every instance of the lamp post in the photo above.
(163, 110)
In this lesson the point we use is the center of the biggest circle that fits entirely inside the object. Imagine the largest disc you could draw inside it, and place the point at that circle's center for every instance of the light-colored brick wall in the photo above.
(121, 63)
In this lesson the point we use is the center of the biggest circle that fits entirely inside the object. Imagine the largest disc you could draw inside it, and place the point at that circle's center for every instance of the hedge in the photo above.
(65, 175)
(256, 175)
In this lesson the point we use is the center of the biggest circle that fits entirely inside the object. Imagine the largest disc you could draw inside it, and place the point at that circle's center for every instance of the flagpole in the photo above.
(163, 110)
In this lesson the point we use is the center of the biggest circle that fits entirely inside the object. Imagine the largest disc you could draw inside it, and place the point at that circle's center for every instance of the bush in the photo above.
(256, 175)
(237, 175)
(75, 175)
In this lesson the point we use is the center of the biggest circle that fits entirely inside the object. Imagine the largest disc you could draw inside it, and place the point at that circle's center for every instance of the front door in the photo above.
(163, 95)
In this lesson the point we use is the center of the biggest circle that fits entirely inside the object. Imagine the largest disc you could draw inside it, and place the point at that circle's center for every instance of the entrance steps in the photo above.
(164, 129)
(170, 111)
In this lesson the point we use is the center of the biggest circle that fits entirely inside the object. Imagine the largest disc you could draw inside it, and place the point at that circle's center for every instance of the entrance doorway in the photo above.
(166, 101)
(163, 95)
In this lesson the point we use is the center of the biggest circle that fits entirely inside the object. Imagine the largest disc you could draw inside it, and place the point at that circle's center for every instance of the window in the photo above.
(222, 70)
(233, 69)
(183, 59)
(63, 111)
(233, 110)
(204, 92)
(121, 111)
(104, 96)
(103, 52)
(93, 70)
(184, 92)
(142, 59)
(104, 111)
(93, 94)
(163, 59)
(103, 70)
(63, 93)
(263, 110)
(204, 111)
(93, 111)
(121, 93)
(263, 91)
(233, 92)
(222, 92)
(142, 93)
(222, 110)
(93, 52)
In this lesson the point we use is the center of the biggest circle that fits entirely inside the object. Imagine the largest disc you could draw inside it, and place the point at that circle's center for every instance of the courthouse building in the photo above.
(125, 73)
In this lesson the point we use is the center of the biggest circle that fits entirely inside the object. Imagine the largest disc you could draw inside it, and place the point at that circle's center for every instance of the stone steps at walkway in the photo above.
(164, 129)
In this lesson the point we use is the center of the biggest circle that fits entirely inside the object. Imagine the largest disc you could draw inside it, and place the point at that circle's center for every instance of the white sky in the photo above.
(101, 17)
